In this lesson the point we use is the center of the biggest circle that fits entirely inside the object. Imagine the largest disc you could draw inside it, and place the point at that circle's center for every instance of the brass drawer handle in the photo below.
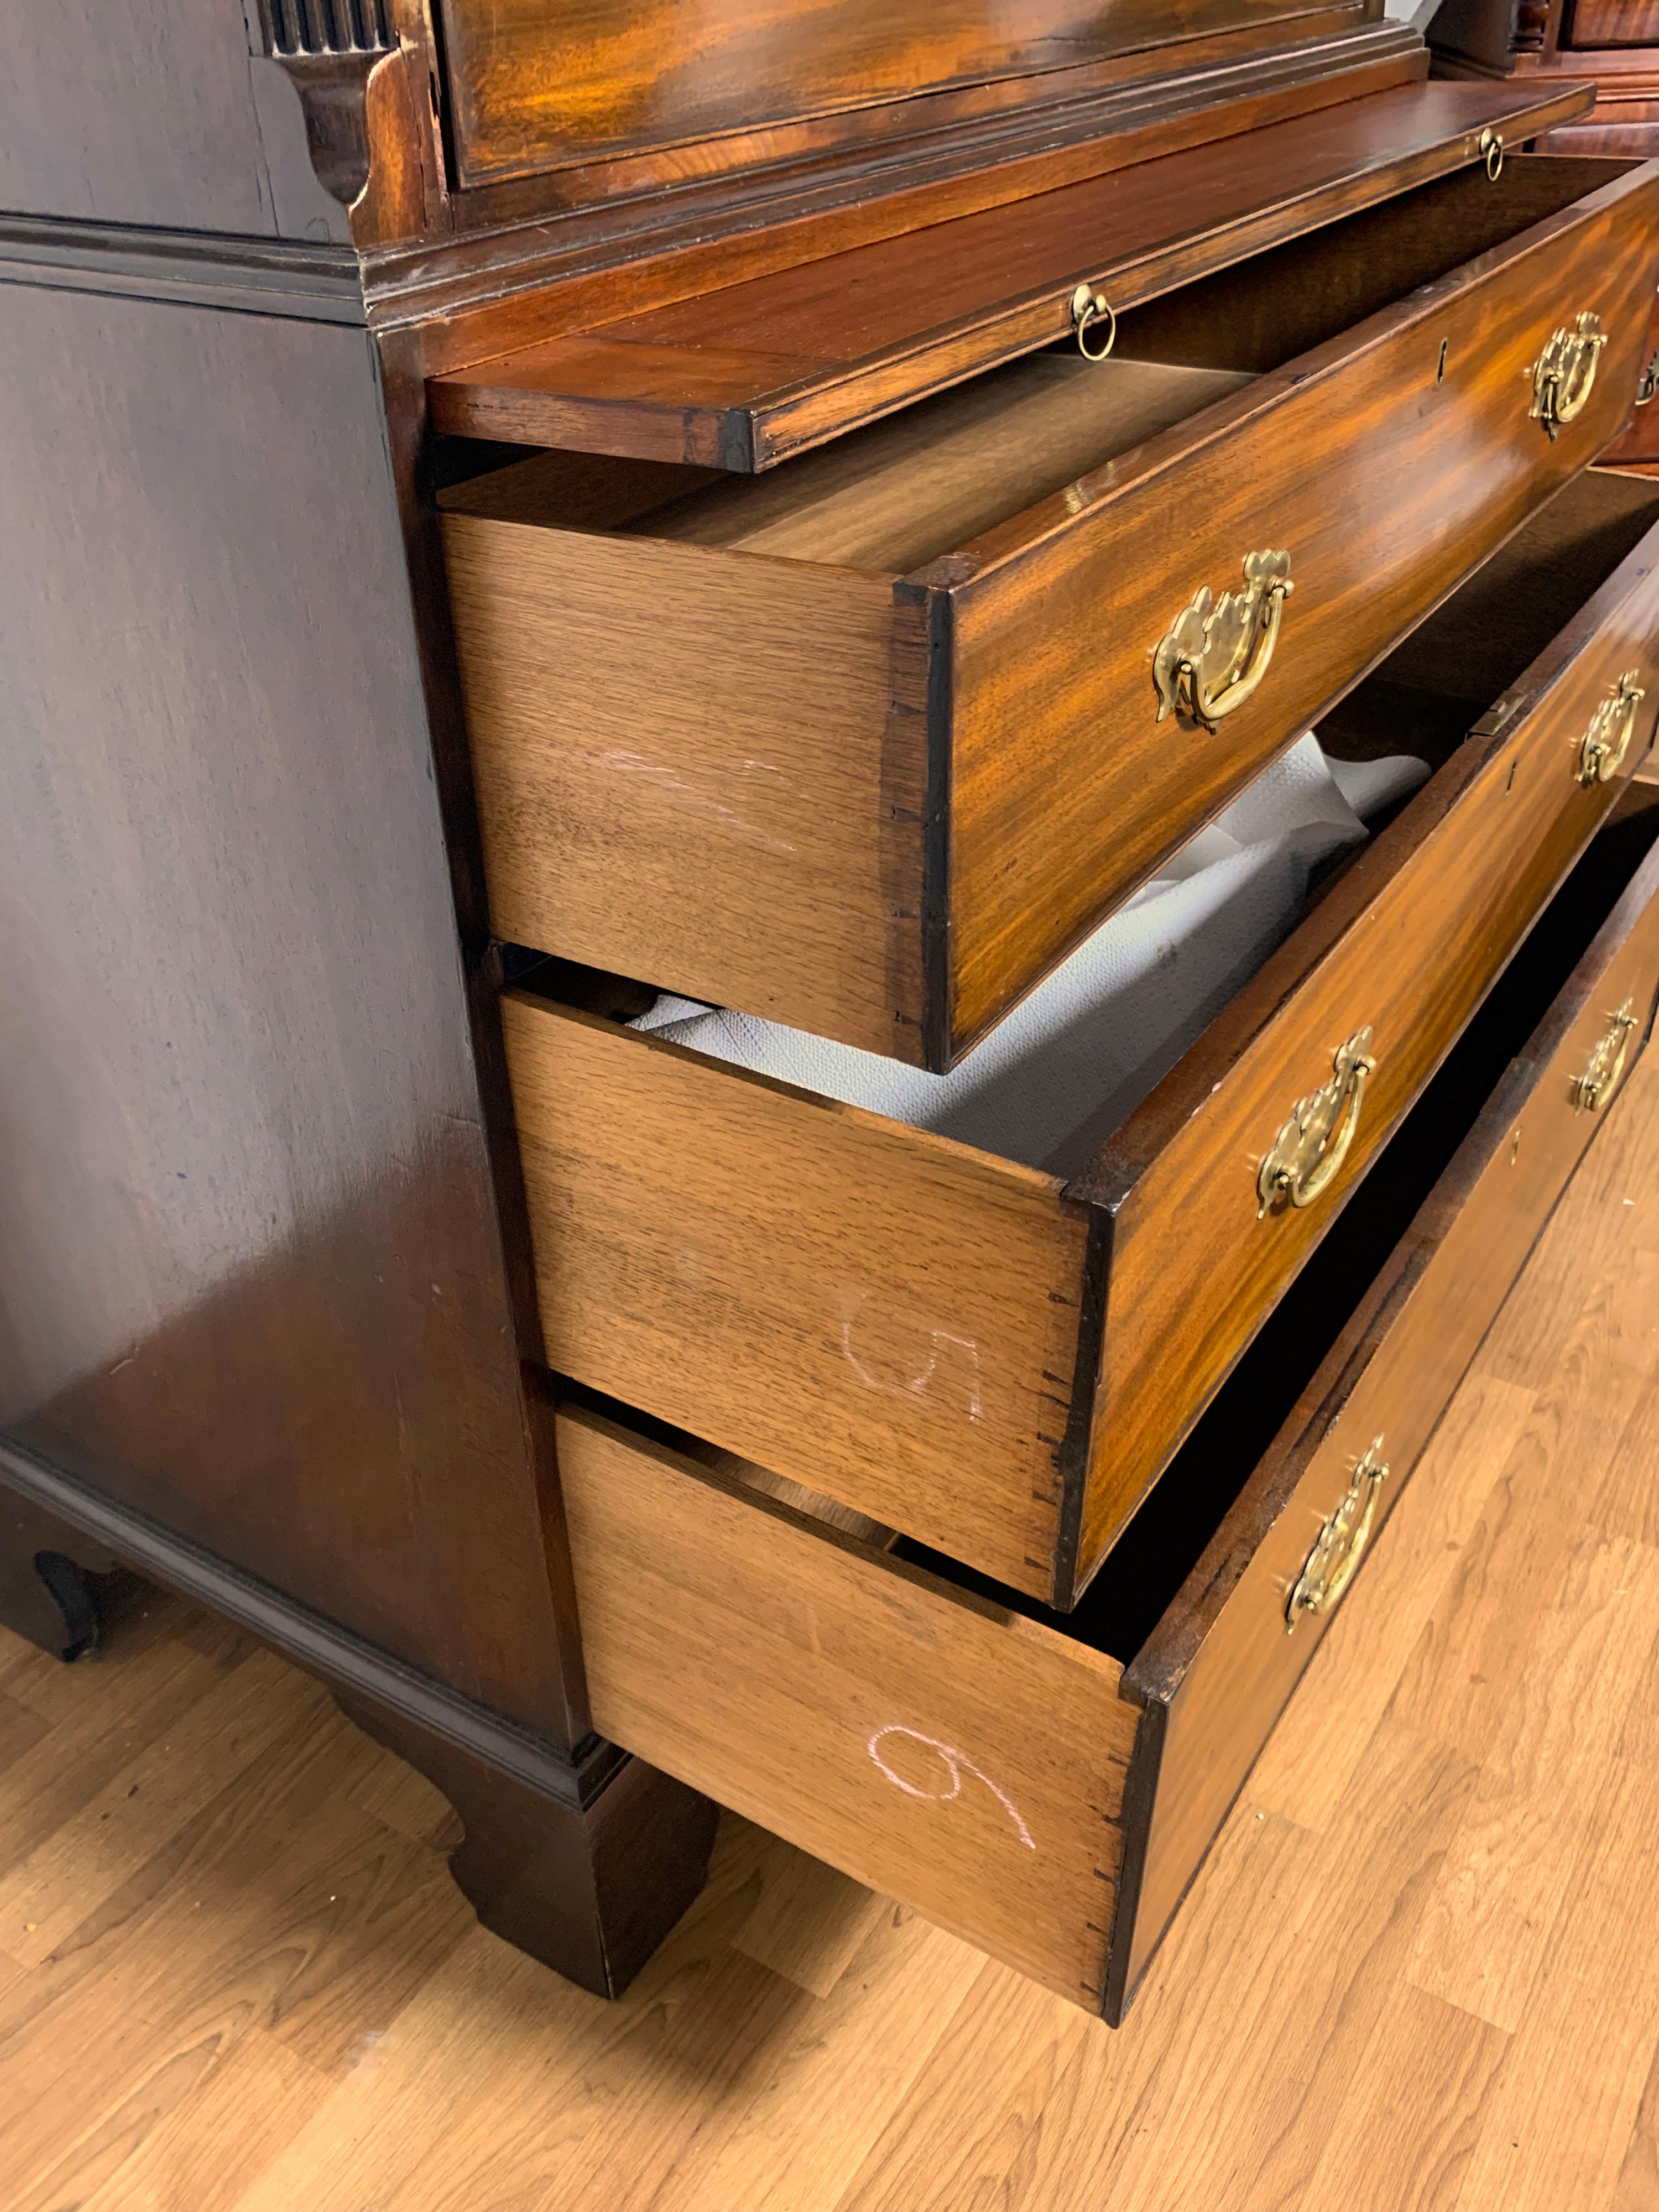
(1602, 753)
(1491, 150)
(1330, 1567)
(1209, 662)
(1600, 1079)
(1309, 1150)
(1563, 373)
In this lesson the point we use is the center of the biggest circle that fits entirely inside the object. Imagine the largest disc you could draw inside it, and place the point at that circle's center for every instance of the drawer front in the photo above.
(947, 1342)
(1387, 464)
(1405, 949)
(950, 1754)
(998, 1774)
(1219, 1672)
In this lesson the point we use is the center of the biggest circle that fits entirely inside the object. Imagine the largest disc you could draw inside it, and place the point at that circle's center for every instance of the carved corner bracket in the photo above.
(344, 60)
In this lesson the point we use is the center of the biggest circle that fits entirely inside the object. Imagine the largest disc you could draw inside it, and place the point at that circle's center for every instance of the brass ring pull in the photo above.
(1331, 1565)
(1491, 150)
(1308, 1153)
(1563, 372)
(1602, 749)
(1088, 308)
(1209, 662)
(1597, 1085)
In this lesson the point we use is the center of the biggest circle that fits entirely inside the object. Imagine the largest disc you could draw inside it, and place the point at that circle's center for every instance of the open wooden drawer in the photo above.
(866, 744)
(1047, 1787)
(998, 1362)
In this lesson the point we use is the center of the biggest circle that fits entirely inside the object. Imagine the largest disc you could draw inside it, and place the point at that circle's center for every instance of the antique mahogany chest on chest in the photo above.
(519, 517)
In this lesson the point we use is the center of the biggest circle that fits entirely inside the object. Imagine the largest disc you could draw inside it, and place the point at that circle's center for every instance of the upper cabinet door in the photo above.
(544, 85)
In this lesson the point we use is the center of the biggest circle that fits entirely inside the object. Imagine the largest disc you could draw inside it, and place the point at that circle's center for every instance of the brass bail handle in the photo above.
(1088, 308)
(1212, 658)
(1600, 1079)
(1491, 150)
(1601, 750)
(1308, 1154)
(1340, 1544)
(1563, 372)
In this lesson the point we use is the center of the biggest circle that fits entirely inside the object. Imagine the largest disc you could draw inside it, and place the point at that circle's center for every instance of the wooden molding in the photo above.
(321, 283)
(357, 1669)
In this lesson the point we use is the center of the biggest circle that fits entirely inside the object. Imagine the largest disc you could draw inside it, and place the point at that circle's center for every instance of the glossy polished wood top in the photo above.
(741, 376)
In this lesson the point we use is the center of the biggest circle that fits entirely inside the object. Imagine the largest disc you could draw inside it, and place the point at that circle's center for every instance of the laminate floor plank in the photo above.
(214, 2140)
(45, 1896)
(809, 1922)
(1420, 1973)
(1507, 1874)
(1410, 2118)
(977, 2153)
(1476, 1645)
(1571, 2092)
(1359, 1898)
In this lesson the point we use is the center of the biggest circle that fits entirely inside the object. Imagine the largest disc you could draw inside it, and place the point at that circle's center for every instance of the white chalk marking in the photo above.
(919, 1385)
(957, 1764)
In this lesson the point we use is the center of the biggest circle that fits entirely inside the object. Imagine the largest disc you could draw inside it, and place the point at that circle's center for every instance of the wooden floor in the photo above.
(1421, 1969)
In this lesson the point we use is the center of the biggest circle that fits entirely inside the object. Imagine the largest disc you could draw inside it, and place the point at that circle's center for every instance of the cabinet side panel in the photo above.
(250, 1268)
(140, 113)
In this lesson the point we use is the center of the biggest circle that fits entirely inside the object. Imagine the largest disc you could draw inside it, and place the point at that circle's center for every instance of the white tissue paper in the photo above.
(1081, 1050)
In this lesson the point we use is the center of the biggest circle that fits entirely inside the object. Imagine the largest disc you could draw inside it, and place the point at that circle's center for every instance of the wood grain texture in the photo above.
(773, 756)
(1611, 23)
(1408, 941)
(148, 118)
(719, 735)
(894, 496)
(500, 291)
(1221, 1663)
(720, 1627)
(742, 739)
(752, 367)
(1641, 441)
(617, 76)
(894, 1320)
(382, 2045)
(877, 1312)
(251, 1256)
(1385, 480)
(961, 1758)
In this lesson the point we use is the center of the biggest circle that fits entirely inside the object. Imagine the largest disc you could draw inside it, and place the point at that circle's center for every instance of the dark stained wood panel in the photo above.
(742, 377)
(535, 86)
(1612, 23)
(251, 1270)
(140, 113)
